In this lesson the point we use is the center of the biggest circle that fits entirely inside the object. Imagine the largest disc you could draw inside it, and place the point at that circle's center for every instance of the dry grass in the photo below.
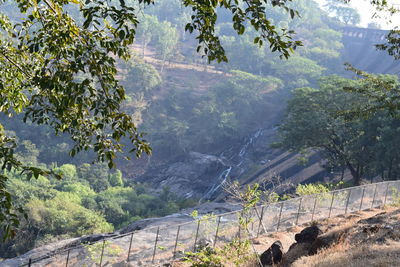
(344, 255)
(366, 238)
(370, 238)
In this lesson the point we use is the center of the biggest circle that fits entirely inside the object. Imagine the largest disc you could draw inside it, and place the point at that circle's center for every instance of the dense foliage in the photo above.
(89, 199)
(327, 119)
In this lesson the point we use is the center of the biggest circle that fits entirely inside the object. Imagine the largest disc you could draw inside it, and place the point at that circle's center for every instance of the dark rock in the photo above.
(377, 219)
(273, 255)
(308, 235)
(324, 241)
(371, 229)
(190, 177)
(93, 238)
(381, 240)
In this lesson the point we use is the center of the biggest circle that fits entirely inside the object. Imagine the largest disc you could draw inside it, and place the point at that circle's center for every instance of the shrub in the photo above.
(310, 189)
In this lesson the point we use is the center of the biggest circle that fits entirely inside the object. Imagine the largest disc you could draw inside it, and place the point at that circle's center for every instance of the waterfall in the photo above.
(239, 158)
(221, 179)
(246, 145)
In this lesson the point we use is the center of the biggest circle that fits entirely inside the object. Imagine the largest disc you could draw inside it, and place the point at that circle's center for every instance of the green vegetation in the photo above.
(310, 189)
(238, 251)
(235, 253)
(89, 199)
(59, 94)
(325, 120)
(58, 68)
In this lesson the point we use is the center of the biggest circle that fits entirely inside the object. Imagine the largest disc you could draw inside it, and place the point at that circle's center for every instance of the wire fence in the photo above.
(158, 245)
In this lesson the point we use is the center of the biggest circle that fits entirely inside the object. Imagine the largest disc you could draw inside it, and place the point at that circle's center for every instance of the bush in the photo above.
(310, 189)
(317, 188)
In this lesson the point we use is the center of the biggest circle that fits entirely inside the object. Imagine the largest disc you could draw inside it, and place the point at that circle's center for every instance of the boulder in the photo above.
(273, 255)
(324, 241)
(308, 234)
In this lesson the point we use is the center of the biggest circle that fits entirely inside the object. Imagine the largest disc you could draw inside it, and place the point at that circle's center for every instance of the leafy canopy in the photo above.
(329, 120)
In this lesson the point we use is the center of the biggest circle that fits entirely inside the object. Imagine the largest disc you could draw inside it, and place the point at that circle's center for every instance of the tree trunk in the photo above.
(143, 48)
(342, 176)
(163, 63)
(355, 173)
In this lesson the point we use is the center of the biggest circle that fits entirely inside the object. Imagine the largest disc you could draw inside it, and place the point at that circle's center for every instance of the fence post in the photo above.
(155, 244)
(30, 262)
(279, 219)
(362, 197)
(176, 241)
(239, 230)
(216, 231)
(66, 264)
(373, 199)
(260, 221)
(298, 211)
(197, 234)
(102, 252)
(330, 207)
(387, 189)
(315, 205)
(251, 218)
(130, 246)
(239, 224)
(347, 202)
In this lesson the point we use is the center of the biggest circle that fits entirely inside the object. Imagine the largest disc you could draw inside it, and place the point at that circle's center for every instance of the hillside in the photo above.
(366, 238)
(251, 158)
(256, 119)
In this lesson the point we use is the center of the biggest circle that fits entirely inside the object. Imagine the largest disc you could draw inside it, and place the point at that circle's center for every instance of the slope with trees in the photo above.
(323, 120)
(58, 75)
(60, 71)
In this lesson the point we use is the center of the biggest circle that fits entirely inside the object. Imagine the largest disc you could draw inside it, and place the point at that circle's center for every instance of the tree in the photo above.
(345, 126)
(115, 179)
(64, 215)
(243, 54)
(300, 71)
(146, 31)
(312, 123)
(96, 175)
(166, 41)
(61, 72)
(343, 12)
(141, 77)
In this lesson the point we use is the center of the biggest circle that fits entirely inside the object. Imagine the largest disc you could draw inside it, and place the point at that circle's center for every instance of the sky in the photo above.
(366, 10)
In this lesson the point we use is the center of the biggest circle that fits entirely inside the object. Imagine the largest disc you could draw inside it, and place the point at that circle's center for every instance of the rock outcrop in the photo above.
(273, 255)
(308, 234)
(190, 177)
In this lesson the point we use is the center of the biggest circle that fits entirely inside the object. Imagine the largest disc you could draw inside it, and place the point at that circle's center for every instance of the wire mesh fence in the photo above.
(156, 245)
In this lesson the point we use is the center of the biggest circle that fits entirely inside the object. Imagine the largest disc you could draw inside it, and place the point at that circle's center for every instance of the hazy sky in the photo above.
(366, 11)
